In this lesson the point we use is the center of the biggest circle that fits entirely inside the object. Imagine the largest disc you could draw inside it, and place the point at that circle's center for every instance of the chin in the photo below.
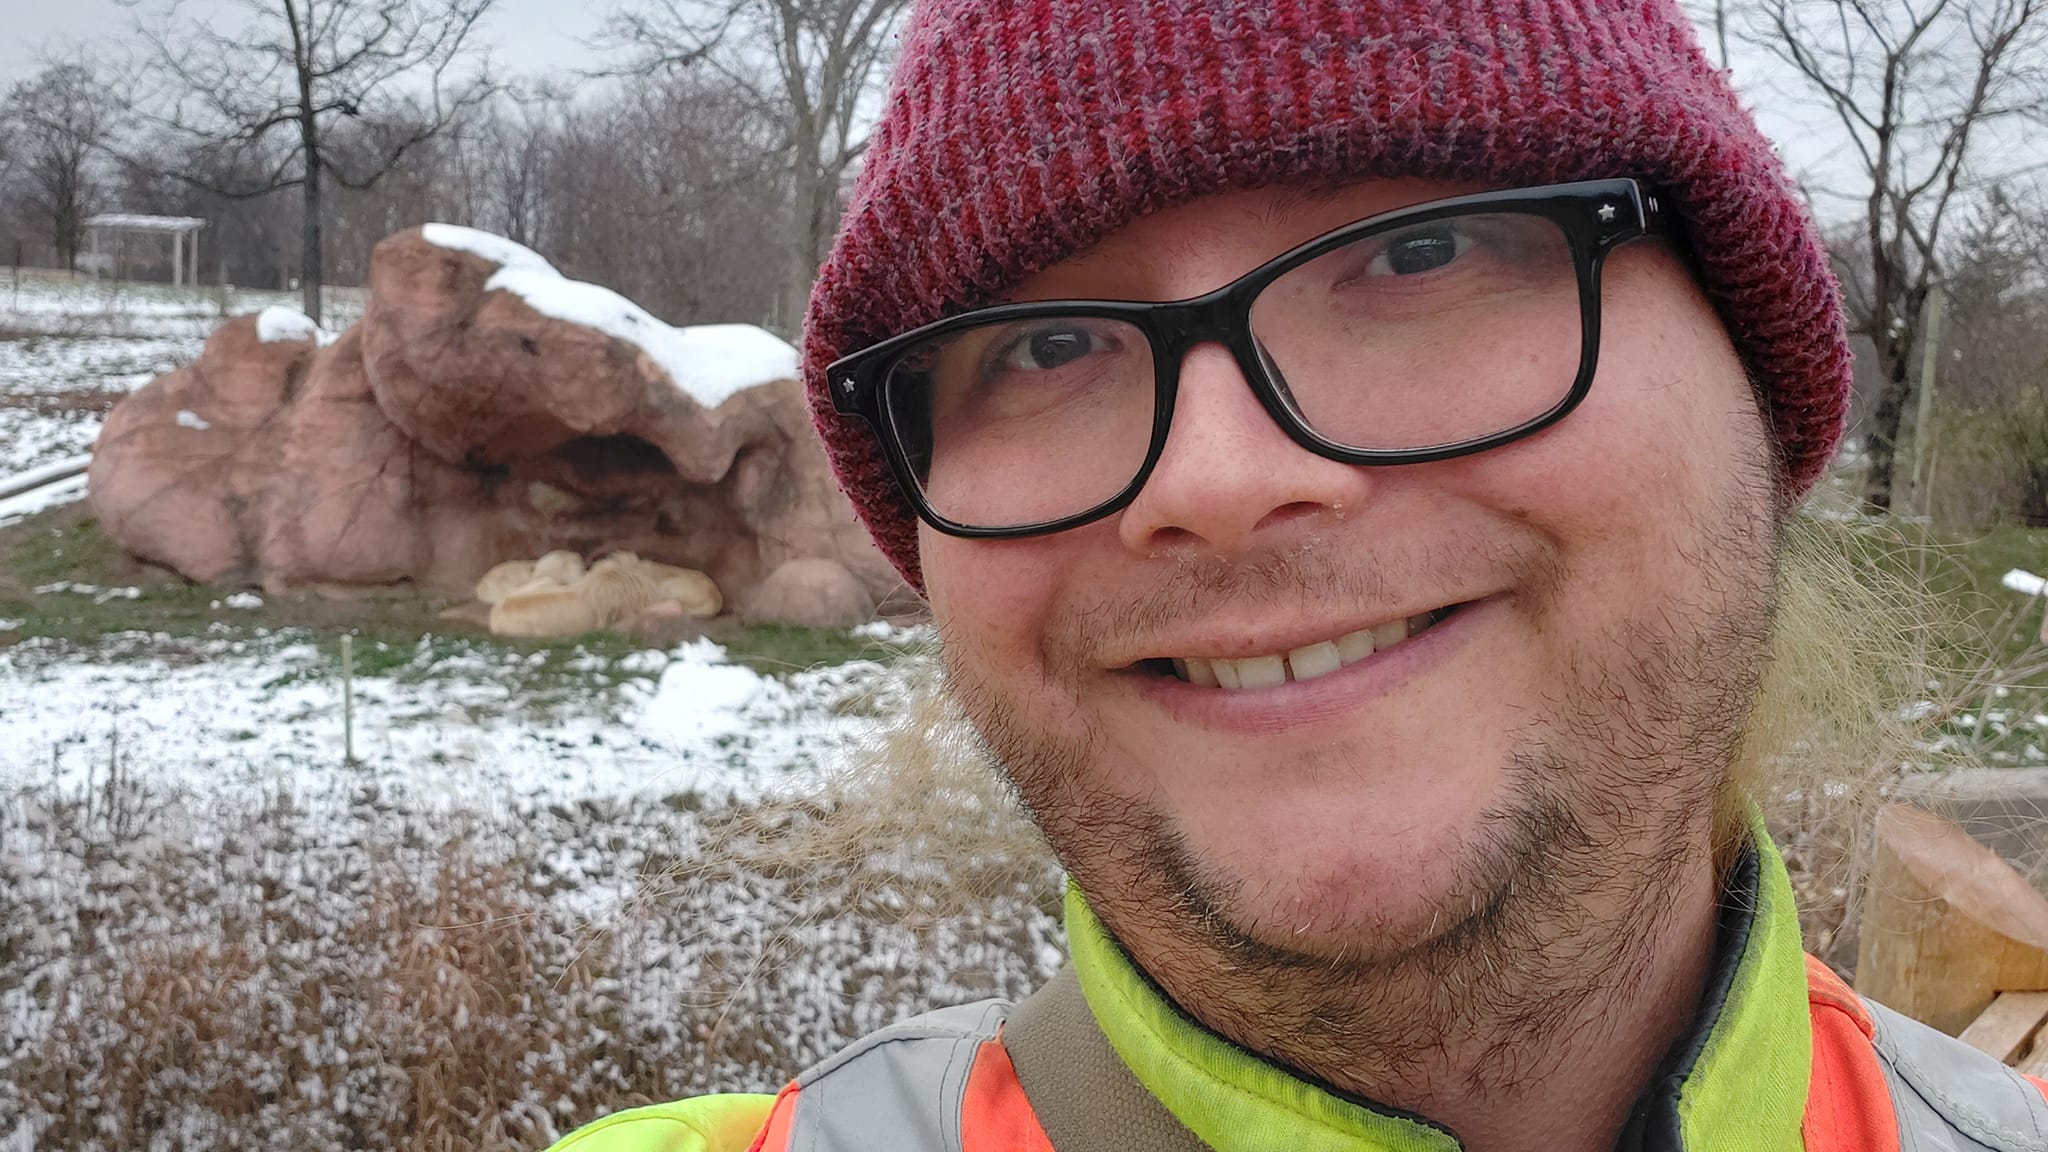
(1345, 886)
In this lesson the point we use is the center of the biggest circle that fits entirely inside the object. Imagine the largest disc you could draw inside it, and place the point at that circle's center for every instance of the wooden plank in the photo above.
(2006, 1029)
(1947, 925)
(2035, 1063)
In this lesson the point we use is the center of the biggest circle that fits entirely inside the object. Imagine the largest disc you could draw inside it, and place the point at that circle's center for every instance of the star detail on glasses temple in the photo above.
(1607, 213)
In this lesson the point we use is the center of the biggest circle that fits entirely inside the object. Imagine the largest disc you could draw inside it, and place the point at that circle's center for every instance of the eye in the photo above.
(1423, 249)
(1049, 348)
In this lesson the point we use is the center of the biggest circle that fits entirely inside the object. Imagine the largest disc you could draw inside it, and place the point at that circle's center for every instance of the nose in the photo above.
(1229, 478)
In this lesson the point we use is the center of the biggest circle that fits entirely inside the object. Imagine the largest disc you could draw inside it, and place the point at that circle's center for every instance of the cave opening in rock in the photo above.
(603, 457)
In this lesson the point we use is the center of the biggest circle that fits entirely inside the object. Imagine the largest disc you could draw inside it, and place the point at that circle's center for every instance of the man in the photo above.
(1345, 446)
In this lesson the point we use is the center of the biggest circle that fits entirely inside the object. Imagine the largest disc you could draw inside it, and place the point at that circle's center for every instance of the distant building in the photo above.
(107, 241)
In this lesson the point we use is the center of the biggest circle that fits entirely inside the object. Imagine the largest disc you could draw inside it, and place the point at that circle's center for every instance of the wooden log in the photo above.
(1947, 925)
(2007, 1029)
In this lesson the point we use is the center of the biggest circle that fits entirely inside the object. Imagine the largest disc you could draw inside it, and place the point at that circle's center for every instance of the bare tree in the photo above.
(512, 149)
(662, 193)
(273, 87)
(1994, 390)
(1924, 91)
(825, 57)
(1996, 334)
(57, 121)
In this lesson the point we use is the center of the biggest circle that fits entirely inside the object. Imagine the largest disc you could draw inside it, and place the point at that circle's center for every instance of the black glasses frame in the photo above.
(1596, 216)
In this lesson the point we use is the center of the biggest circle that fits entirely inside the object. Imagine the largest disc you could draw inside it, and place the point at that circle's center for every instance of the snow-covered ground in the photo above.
(46, 304)
(48, 385)
(64, 343)
(451, 724)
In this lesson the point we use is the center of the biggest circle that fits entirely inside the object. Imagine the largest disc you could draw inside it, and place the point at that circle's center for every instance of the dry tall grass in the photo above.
(370, 980)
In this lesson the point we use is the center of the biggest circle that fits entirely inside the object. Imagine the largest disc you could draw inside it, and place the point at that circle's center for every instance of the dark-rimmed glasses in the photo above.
(1438, 330)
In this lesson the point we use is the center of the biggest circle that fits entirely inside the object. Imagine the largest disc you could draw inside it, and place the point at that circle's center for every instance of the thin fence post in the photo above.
(348, 699)
(1923, 424)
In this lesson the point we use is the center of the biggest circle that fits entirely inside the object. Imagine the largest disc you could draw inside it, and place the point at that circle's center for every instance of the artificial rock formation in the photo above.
(813, 593)
(484, 410)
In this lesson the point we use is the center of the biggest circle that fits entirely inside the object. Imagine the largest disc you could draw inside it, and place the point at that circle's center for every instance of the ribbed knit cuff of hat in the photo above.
(1018, 133)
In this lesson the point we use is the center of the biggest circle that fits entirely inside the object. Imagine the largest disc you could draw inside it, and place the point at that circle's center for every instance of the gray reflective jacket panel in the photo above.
(900, 1088)
(1949, 1097)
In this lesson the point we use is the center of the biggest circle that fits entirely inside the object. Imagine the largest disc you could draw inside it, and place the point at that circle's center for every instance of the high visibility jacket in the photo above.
(1783, 1057)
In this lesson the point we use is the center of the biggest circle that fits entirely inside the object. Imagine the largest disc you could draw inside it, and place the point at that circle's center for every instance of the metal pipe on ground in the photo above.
(43, 477)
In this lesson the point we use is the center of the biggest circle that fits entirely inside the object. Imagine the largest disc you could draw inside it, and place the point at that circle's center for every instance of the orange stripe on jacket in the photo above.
(774, 1135)
(1848, 1105)
(994, 1113)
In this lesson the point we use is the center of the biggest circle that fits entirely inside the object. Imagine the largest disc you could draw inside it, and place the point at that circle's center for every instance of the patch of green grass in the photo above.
(401, 638)
(778, 649)
(1967, 570)
(1982, 559)
(86, 618)
(52, 547)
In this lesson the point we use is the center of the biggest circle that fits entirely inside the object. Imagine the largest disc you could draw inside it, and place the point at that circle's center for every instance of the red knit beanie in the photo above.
(1018, 133)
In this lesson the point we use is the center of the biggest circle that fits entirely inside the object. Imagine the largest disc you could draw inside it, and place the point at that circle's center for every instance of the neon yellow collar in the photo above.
(1741, 1087)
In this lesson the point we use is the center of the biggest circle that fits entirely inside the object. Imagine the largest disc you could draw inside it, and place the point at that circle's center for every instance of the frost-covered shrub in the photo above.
(181, 979)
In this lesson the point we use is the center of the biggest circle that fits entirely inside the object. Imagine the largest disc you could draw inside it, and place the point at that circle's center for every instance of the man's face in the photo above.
(1588, 608)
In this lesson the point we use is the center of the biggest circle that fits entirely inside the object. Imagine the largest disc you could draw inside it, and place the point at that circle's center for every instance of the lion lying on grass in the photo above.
(555, 596)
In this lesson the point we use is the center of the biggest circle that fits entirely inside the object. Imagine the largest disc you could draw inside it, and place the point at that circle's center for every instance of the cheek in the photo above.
(992, 600)
(1669, 434)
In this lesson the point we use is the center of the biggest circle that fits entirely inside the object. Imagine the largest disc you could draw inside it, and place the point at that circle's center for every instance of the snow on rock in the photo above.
(496, 249)
(2026, 583)
(709, 362)
(726, 358)
(277, 324)
(192, 420)
(244, 601)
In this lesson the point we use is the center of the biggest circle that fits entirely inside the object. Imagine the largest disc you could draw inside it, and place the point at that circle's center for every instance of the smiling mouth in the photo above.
(1310, 662)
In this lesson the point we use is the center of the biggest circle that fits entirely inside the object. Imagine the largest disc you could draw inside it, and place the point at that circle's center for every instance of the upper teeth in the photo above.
(1307, 663)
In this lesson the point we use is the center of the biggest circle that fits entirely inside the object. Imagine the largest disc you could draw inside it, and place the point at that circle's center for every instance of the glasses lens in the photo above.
(1024, 421)
(1427, 334)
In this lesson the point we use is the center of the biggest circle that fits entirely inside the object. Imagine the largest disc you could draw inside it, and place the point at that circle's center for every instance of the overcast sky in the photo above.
(526, 36)
(536, 37)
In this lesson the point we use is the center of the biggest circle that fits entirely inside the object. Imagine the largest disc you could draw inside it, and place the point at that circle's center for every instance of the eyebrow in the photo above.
(1288, 202)
(1292, 200)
